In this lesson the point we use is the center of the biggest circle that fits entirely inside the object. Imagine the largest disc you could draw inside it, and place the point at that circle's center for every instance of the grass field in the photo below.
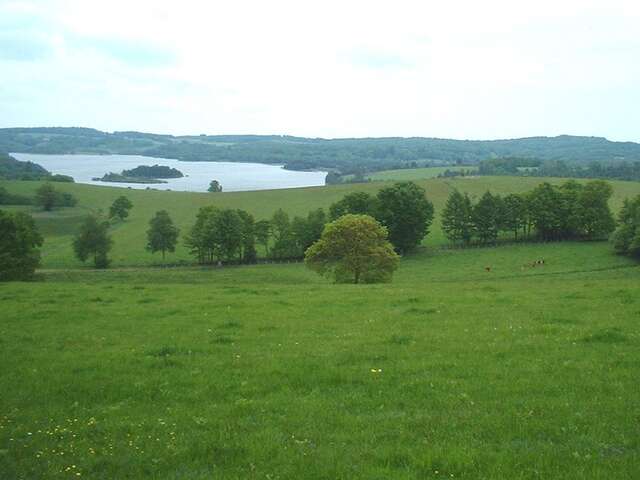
(270, 372)
(414, 173)
(60, 226)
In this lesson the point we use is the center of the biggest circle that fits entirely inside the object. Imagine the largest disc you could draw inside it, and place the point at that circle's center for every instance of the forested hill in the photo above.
(346, 155)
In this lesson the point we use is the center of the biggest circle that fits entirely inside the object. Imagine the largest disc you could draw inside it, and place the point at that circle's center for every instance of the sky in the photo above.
(456, 69)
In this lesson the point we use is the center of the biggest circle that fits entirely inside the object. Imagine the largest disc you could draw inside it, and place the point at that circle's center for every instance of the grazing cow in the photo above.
(488, 269)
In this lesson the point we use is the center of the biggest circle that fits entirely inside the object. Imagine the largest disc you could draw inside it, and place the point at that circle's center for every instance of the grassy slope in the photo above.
(130, 238)
(266, 371)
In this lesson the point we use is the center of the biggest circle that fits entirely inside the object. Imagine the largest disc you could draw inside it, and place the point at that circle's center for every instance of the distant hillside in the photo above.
(347, 155)
(12, 169)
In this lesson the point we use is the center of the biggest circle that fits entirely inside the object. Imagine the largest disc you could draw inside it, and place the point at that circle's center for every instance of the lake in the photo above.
(234, 177)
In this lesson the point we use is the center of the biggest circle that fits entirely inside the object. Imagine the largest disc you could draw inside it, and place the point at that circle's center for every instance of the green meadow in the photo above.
(60, 225)
(271, 372)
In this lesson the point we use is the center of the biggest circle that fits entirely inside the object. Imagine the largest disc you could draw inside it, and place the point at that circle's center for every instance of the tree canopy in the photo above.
(404, 209)
(214, 186)
(162, 234)
(120, 208)
(93, 241)
(19, 246)
(353, 249)
(48, 197)
(626, 239)
(569, 211)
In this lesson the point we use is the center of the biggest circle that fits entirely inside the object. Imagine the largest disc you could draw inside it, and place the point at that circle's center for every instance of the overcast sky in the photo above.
(456, 69)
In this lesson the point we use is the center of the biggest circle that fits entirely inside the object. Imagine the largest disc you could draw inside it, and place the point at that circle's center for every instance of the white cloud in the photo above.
(469, 69)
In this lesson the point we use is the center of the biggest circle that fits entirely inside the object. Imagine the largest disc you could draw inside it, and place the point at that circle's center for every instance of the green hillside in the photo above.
(348, 155)
(271, 372)
(60, 225)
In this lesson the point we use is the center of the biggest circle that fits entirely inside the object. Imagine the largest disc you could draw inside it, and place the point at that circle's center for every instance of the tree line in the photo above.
(232, 235)
(358, 239)
(46, 197)
(548, 212)
(345, 155)
(523, 166)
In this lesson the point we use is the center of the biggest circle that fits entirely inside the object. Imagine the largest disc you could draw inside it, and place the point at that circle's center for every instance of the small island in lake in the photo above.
(142, 174)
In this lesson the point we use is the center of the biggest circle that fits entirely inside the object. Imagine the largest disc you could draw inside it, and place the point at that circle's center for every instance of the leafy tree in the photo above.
(306, 231)
(227, 234)
(515, 213)
(626, 239)
(262, 230)
(93, 240)
(332, 178)
(162, 234)
(46, 196)
(214, 186)
(407, 214)
(316, 221)
(457, 223)
(217, 234)
(353, 249)
(120, 208)
(568, 210)
(596, 219)
(299, 233)
(248, 252)
(19, 246)
(486, 218)
(66, 199)
(283, 240)
(200, 238)
(545, 213)
(357, 203)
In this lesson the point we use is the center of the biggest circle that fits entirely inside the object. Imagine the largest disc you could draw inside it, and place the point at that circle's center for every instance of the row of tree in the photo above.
(568, 211)
(524, 166)
(231, 235)
(46, 197)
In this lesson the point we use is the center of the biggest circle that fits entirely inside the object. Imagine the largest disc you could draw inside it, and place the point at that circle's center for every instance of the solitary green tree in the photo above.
(162, 234)
(120, 208)
(46, 196)
(353, 249)
(407, 214)
(214, 186)
(93, 240)
(19, 246)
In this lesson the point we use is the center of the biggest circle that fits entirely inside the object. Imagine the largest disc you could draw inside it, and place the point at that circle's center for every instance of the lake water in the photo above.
(233, 177)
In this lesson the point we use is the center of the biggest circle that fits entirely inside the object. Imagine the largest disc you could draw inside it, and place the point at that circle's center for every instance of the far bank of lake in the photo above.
(233, 177)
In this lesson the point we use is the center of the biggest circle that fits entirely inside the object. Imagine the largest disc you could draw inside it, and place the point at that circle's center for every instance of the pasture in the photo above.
(272, 372)
(129, 237)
